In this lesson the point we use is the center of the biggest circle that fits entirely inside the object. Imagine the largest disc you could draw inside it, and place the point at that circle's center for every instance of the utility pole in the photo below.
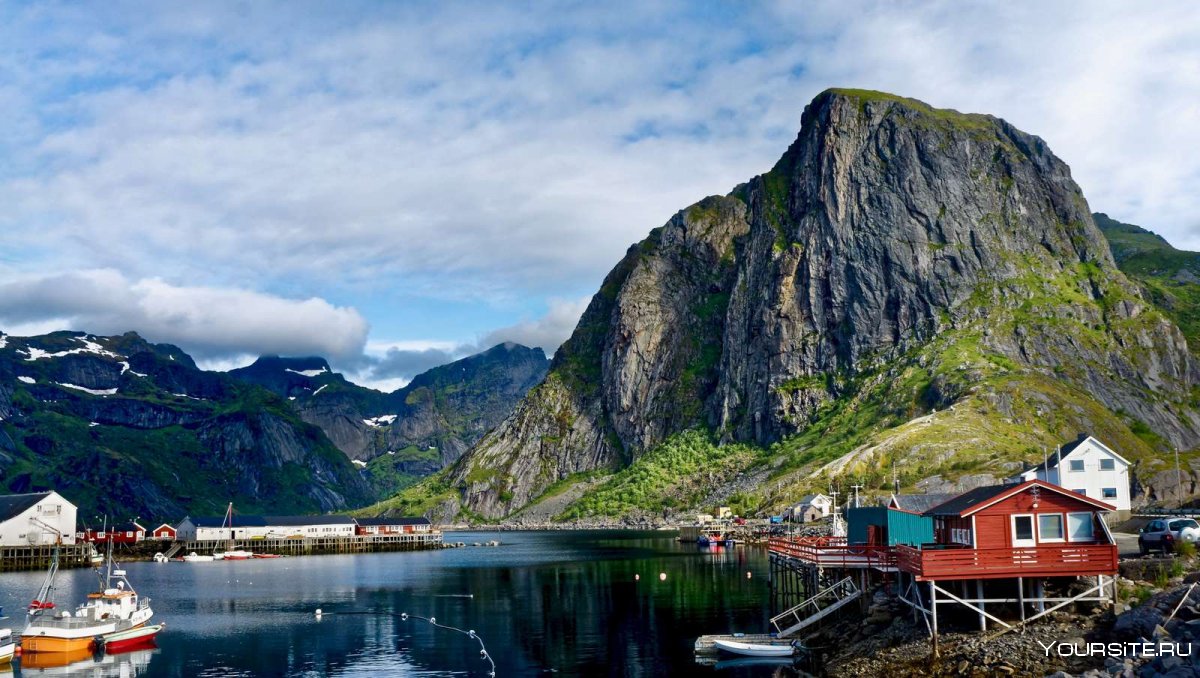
(1178, 476)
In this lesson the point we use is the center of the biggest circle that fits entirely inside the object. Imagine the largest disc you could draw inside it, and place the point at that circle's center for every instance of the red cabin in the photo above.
(165, 532)
(1031, 529)
(127, 533)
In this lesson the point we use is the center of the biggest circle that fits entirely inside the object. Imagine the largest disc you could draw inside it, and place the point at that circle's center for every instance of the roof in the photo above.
(126, 527)
(810, 498)
(393, 521)
(919, 503)
(166, 525)
(12, 505)
(1066, 450)
(980, 498)
(219, 521)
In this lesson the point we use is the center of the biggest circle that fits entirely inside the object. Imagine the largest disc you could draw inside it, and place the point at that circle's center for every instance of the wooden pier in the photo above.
(37, 557)
(315, 546)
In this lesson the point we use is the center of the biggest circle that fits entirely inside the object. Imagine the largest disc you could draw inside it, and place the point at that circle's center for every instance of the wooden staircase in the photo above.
(175, 548)
(824, 603)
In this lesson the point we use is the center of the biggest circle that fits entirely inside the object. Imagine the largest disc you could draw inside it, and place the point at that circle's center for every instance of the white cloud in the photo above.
(209, 322)
(490, 155)
(548, 331)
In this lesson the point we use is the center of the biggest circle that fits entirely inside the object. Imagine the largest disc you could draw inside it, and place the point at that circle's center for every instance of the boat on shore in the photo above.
(780, 649)
(131, 639)
(115, 607)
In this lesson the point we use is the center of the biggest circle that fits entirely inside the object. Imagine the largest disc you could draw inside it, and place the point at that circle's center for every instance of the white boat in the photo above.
(781, 649)
(234, 555)
(193, 558)
(7, 647)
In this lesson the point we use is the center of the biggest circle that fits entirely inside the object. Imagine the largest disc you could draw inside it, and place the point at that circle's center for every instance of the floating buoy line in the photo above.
(404, 616)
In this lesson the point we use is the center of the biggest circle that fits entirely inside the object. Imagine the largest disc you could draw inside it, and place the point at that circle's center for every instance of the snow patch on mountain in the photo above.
(380, 421)
(93, 391)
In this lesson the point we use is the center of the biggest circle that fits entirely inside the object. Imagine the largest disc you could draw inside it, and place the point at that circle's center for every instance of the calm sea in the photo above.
(544, 603)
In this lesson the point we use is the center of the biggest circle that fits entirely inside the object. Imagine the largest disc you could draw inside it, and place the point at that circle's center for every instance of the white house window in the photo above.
(1022, 530)
(1107, 464)
(1076, 464)
(1050, 527)
(1110, 493)
(1080, 491)
(1079, 527)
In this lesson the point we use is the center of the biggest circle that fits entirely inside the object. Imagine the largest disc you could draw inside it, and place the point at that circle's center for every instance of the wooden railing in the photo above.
(833, 552)
(1060, 560)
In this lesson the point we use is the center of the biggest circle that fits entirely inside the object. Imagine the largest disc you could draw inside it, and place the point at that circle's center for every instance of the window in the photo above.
(1110, 493)
(1050, 527)
(1022, 528)
(1079, 527)
(1076, 465)
(1107, 464)
(1081, 491)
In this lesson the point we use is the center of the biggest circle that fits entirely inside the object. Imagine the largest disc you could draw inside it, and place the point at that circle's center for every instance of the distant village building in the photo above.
(263, 527)
(811, 507)
(123, 533)
(38, 518)
(1089, 467)
(724, 513)
(164, 532)
(386, 526)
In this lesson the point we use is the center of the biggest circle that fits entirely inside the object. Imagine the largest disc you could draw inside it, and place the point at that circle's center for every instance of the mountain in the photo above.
(127, 428)
(909, 291)
(414, 431)
(1170, 278)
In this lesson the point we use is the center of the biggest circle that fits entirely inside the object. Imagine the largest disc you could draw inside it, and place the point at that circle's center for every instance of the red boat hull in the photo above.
(127, 644)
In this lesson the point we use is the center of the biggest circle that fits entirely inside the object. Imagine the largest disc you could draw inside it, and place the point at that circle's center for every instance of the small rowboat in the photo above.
(267, 555)
(130, 639)
(756, 649)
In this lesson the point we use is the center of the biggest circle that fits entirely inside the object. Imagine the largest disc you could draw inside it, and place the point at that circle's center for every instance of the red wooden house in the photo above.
(165, 532)
(126, 533)
(1031, 529)
(1007, 539)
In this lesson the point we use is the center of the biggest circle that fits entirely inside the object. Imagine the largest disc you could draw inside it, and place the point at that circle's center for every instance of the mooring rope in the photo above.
(404, 616)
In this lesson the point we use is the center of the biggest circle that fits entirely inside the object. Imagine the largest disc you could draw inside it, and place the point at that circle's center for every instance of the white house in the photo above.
(812, 507)
(39, 518)
(1089, 467)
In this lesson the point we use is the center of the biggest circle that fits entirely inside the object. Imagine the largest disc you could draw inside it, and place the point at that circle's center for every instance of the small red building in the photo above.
(165, 532)
(386, 526)
(125, 533)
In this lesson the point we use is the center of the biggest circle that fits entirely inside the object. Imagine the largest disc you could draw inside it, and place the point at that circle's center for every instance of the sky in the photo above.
(394, 185)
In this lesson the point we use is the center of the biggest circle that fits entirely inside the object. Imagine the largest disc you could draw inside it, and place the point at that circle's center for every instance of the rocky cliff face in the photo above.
(128, 428)
(896, 261)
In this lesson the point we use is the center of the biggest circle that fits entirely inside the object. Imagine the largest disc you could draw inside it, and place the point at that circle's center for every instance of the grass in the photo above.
(673, 476)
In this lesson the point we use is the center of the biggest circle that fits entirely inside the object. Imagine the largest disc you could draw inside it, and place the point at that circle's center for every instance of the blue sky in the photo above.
(347, 179)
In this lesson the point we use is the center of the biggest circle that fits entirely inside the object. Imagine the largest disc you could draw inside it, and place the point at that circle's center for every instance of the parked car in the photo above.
(1164, 534)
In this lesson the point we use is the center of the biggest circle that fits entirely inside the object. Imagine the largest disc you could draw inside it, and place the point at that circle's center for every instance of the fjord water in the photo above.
(545, 603)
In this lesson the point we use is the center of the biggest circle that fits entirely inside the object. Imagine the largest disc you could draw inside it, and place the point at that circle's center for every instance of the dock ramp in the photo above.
(824, 603)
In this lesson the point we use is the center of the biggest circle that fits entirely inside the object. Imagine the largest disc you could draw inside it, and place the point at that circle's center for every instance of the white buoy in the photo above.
(748, 575)
(662, 576)
(318, 612)
(637, 577)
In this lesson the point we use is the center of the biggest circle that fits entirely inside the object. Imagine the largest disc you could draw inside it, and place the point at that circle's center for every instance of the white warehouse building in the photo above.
(1088, 467)
(263, 527)
(37, 518)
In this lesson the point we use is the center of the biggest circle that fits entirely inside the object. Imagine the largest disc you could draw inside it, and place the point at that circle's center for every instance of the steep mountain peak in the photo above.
(897, 260)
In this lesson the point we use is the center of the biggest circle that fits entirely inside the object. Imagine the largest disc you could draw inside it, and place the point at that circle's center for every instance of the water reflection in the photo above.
(577, 603)
(83, 663)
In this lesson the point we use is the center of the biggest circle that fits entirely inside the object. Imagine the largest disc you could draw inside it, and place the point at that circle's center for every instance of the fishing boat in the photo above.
(115, 607)
(235, 555)
(7, 647)
(780, 649)
(131, 639)
(194, 558)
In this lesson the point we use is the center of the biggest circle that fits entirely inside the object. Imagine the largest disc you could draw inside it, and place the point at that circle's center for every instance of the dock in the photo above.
(37, 556)
(706, 645)
(309, 546)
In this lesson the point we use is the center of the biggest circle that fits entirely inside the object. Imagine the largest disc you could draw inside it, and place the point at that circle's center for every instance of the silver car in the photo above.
(1163, 534)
